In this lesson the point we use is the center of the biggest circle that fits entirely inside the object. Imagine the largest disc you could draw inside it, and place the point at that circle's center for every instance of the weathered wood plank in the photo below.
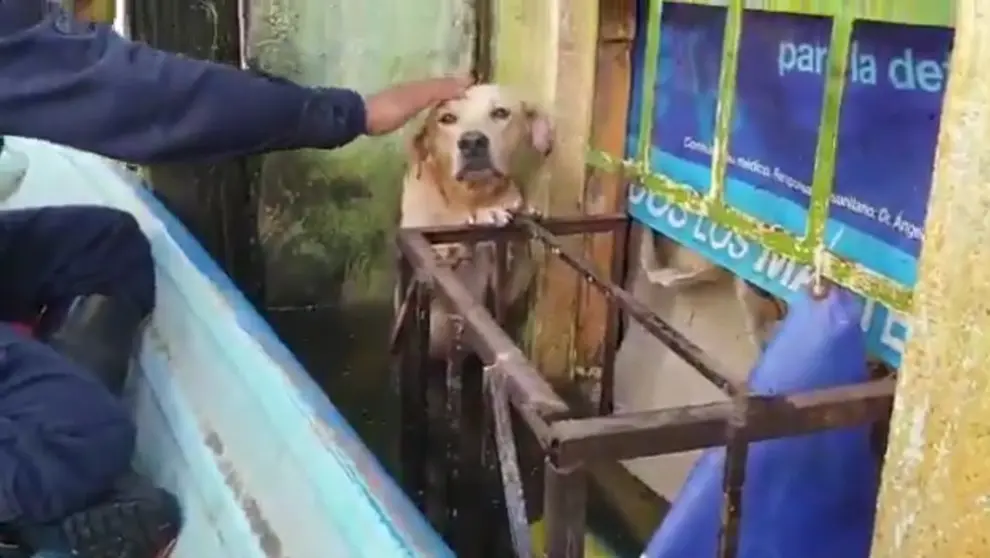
(604, 192)
(556, 68)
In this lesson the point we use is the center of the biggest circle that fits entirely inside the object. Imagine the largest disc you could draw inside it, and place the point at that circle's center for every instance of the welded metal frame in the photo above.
(570, 443)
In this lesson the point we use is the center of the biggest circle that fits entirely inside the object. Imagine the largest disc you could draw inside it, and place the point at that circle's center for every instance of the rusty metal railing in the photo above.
(437, 403)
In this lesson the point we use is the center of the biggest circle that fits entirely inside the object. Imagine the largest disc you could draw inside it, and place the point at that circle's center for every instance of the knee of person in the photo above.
(131, 250)
(61, 473)
(124, 227)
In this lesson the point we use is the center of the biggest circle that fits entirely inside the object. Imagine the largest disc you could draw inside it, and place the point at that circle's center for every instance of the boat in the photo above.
(264, 464)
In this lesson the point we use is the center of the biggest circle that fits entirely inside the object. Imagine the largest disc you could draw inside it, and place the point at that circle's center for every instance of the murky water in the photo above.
(347, 355)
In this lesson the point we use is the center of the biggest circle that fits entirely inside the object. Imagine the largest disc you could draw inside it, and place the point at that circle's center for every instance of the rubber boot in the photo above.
(135, 519)
(97, 332)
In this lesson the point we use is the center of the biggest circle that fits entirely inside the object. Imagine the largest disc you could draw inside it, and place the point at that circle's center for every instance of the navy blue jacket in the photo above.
(83, 85)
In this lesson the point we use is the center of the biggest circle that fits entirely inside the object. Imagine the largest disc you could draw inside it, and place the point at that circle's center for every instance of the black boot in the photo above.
(97, 332)
(135, 519)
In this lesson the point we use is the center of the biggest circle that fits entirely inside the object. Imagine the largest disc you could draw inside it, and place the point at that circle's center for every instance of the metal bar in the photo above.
(653, 15)
(632, 435)
(411, 383)
(828, 133)
(683, 347)
(737, 448)
(508, 461)
(400, 322)
(437, 466)
(733, 477)
(472, 498)
(561, 226)
(613, 323)
(453, 451)
(502, 278)
(917, 12)
(848, 274)
(726, 101)
(532, 396)
(565, 508)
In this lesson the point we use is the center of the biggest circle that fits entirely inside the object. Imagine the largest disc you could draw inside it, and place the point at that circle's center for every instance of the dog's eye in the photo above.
(500, 113)
(448, 118)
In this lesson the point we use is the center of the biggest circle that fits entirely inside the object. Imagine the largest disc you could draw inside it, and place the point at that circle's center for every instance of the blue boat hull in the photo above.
(228, 419)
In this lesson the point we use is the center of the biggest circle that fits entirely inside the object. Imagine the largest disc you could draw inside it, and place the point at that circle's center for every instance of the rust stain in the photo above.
(269, 541)
(214, 442)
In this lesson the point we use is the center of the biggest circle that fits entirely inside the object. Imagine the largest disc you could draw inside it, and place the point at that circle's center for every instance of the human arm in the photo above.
(84, 86)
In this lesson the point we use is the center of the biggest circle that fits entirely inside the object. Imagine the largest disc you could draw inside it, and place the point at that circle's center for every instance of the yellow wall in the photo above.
(547, 49)
(935, 499)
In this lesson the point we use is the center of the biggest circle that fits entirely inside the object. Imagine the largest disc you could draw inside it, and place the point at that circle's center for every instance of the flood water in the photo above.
(347, 354)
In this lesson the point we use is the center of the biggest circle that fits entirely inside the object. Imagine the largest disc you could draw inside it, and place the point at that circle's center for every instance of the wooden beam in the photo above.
(604, 193)
(556, 68)
(934, 496)
(555, 312)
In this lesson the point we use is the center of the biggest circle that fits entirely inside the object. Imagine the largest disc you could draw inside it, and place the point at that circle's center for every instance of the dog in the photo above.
(469, 160)
(668, 265)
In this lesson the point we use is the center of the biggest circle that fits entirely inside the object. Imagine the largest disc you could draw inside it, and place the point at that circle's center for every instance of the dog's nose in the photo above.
(473, 143)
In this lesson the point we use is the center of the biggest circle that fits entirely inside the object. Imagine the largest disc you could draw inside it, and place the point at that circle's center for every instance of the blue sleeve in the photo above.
(84, 86)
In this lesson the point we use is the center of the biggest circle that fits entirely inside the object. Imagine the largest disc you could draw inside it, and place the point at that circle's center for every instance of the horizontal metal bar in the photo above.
(848, 274)
(560, 226)
(680, 345)
(529, 392)
(633, 435)
(908, 12)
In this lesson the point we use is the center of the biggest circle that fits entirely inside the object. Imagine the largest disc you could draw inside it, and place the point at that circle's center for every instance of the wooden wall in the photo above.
(572, 56)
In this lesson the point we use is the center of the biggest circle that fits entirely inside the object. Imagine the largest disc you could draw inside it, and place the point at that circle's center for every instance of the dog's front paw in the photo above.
(498, 216)
(530, 211)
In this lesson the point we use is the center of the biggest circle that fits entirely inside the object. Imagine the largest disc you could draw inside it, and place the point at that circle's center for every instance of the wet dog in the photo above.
(468, 163)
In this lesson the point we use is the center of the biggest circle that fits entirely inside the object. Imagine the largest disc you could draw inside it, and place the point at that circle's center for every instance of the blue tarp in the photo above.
(804, 497)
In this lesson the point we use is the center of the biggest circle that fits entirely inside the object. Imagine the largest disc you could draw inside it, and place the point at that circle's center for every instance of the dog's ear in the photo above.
(540, 129)
(419, 149)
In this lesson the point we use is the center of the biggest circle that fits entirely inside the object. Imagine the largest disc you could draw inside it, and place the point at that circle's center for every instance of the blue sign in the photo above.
(888, 130)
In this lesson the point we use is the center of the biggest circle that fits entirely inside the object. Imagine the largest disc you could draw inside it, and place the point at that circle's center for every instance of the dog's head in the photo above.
(482, 137)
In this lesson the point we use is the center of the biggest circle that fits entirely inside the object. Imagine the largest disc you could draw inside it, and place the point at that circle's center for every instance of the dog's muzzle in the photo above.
(475, 157)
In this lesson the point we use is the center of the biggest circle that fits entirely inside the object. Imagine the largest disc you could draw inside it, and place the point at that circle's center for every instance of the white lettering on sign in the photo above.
(886, 331)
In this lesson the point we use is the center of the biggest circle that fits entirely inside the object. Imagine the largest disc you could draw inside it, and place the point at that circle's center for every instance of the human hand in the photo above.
(388, 110)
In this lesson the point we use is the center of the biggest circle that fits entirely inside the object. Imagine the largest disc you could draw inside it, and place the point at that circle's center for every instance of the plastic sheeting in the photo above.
(811, 496)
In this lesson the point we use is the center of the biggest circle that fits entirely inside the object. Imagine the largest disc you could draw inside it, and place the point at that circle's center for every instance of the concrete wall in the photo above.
(936, 483)
(327, 218)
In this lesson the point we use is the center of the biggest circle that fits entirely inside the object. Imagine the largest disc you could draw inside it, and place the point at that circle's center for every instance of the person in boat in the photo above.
(84, 277)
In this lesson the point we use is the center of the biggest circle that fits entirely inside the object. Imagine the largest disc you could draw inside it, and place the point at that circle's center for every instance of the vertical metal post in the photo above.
(726, 101)
(469, 496)
(458, 447)
(828, 131)
(411, 384)
(734, 477)
(508, 463)
(565, 502)
(613, 322)
(438, 441)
